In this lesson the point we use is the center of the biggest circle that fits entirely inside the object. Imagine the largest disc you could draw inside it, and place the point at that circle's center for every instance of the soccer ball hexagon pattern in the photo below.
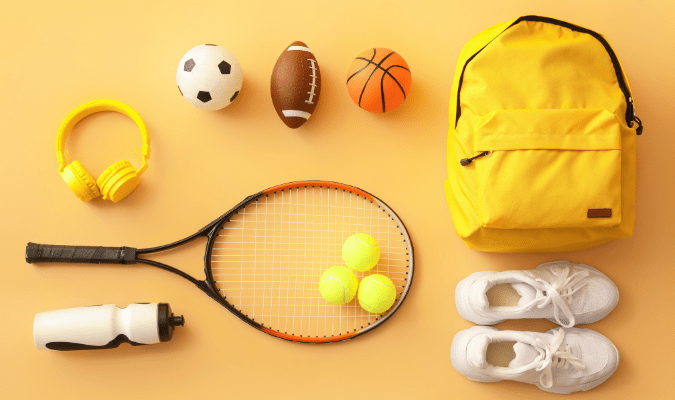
(209, 77)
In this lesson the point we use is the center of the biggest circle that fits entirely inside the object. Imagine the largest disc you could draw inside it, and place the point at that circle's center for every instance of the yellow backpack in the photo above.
(541, 149)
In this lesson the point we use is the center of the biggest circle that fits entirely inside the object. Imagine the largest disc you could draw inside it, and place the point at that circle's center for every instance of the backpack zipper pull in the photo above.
(631, 110)
(466, 161)
(639, 127)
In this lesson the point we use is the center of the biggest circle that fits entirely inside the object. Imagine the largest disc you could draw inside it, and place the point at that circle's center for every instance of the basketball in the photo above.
(379, 80)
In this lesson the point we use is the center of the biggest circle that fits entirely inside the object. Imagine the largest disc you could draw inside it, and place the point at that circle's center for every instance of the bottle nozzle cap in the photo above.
(167, 322)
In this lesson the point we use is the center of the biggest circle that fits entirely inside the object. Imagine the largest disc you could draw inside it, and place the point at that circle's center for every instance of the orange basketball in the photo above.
(379, 80)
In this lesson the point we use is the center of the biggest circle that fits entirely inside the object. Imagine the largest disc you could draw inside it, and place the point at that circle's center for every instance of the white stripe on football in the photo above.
(300, 48)
(296, 113)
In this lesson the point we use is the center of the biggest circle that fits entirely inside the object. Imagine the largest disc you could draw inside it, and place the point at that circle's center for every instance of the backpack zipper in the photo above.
(630, 111)
(466, 161)
(639, 127)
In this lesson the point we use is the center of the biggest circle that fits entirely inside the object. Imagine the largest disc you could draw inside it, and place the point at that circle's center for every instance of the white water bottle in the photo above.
(104, 326)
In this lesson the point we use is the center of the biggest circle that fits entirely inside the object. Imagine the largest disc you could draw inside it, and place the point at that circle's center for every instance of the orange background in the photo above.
(58, 55)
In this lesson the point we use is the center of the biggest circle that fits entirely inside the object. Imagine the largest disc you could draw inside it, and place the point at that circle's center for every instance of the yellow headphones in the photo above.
(119, 179)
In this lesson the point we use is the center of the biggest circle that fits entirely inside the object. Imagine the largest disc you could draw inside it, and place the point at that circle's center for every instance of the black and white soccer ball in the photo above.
(209, 77)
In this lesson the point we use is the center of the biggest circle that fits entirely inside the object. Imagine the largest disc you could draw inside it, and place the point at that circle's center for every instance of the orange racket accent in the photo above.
(334, 185)
(308, 339)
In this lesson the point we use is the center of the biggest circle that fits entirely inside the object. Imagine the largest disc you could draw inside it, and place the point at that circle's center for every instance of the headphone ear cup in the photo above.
(118, 181)
(80, 181)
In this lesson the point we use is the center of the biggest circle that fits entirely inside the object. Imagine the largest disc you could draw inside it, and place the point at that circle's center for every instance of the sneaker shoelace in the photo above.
(551, 356)
(559, 293)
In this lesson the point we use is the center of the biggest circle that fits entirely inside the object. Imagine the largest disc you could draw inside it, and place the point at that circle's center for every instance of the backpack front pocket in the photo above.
(548, 169)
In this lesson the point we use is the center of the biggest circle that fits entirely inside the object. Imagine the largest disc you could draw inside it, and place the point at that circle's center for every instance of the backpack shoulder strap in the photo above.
(470, 48)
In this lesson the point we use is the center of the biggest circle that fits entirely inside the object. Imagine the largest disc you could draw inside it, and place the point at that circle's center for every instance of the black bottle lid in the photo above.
(167, 322)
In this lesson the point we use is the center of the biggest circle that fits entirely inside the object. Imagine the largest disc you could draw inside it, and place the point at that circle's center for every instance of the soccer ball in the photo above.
(209, 77)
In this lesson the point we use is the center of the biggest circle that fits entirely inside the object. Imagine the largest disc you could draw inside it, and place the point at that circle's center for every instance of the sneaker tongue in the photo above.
(525, 354)
(527, 293)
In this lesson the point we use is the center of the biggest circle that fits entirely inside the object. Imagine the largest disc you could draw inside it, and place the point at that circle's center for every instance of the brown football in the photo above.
(296, 84)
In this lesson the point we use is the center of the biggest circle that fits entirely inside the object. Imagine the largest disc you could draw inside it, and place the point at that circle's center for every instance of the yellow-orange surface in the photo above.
(55, 56)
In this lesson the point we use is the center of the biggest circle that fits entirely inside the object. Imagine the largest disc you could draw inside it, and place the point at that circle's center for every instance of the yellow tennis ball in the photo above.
(361, 252)
(377, 293)
(338, 285)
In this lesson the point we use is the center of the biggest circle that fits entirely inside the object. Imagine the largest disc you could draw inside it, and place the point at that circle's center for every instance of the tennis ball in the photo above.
(361, 252)
(338, 285)
(376, 293)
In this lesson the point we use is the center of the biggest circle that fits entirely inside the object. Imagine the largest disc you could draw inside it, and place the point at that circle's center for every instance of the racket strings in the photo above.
(268, 258)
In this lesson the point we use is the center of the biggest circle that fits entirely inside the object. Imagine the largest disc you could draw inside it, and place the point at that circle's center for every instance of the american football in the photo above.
(296, 84)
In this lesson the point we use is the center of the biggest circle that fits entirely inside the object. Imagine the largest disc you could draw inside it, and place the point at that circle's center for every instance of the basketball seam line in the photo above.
(367, 65)
(364, 59)
(386, 71)
(384, 109)
(372, 73)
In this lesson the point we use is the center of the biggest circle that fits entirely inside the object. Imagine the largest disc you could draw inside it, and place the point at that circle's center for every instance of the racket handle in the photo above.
(45, 253)
(104, 326)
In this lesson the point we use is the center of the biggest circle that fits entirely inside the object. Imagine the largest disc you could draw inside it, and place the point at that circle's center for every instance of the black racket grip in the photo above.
(46, 253)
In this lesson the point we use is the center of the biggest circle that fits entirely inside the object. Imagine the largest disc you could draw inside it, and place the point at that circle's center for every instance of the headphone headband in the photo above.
(97, 106)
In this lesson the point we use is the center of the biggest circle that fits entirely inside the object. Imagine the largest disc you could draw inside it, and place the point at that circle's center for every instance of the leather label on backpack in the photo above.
(599, 213)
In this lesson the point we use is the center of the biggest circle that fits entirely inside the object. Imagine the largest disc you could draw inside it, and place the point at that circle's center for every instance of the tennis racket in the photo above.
(265, 256)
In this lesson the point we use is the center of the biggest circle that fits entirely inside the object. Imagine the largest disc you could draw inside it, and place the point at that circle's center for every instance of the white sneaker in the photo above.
(582, 293)
(559, 361)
